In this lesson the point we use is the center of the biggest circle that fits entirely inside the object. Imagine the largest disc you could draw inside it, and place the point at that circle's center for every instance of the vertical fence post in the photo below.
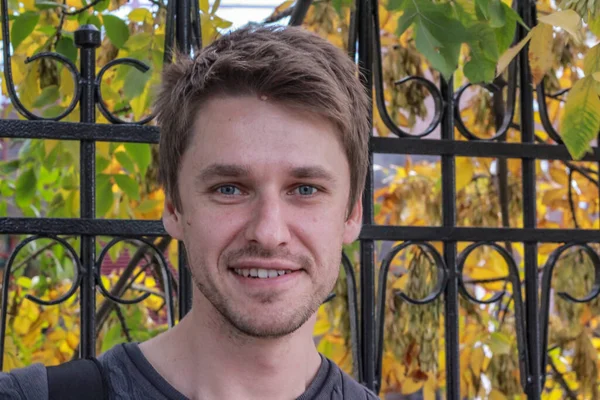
(87, 38)
(183, 43)
(367, 247)
(529, 211)
(449, 220)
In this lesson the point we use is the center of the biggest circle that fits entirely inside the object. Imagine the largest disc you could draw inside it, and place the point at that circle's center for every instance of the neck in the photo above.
(204, 357)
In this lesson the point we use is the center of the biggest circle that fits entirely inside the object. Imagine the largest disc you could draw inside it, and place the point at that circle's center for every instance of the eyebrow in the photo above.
(216, 171)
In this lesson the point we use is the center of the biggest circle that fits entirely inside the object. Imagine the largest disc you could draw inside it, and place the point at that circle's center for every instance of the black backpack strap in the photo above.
(77, 380)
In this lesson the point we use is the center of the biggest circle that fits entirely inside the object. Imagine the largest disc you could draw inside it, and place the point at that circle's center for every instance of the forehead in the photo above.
(259, 134)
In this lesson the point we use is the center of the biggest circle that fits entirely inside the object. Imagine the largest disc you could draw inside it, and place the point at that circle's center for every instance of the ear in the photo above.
(353, 223)
(172, 220)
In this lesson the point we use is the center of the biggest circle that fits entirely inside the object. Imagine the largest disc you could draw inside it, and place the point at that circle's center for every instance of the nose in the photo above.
(267, 226)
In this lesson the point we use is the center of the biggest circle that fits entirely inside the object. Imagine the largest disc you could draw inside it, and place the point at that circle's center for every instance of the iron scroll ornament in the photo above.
(77, 269)
(546, 289)
(442, 279)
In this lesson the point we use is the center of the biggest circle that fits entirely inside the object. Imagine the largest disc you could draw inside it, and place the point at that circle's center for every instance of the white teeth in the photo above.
(261, 273)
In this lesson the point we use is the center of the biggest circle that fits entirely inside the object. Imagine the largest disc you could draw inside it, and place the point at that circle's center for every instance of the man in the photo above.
(263, 157)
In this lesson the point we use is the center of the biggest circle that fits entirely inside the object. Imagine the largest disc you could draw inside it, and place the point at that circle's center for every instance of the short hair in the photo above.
(288, 65)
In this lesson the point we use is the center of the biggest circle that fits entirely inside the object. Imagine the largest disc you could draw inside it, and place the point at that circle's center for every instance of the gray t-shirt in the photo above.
(131, 377)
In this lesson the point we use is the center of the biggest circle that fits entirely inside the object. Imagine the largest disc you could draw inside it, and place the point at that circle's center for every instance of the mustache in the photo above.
(254, 250)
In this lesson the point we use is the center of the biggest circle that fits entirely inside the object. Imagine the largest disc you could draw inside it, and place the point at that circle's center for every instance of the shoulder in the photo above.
(24, 383)
(352, 390)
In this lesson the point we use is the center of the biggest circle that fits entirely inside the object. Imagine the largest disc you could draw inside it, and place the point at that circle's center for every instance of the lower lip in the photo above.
(266, 282)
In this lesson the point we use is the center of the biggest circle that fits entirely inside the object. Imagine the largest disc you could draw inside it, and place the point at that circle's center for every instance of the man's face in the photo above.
(264, 192)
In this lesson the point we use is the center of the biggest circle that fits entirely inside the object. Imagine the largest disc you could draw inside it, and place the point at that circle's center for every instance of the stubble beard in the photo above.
(242, 324)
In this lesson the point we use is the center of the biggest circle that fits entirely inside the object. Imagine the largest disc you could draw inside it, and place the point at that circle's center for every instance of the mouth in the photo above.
(261, 273)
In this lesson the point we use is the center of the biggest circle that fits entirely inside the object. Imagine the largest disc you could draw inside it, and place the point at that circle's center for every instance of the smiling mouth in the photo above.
(261, 273)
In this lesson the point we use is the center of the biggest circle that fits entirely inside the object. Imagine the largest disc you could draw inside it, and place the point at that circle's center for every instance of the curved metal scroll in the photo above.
(511, 100)
(540, 92)
(514, 278)
(383, 272)
(546, 288)
(379, 91)
(163, 268)
(7, 273)
(140, 66)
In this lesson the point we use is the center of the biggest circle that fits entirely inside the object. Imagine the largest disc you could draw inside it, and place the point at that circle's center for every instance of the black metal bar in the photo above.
(434, 147)
(183, 32)
(529, 211)
(367, 247)
(300, 9)
(10, 128)
(81, 226)
(449, 221)
(87, 38)
(132, 228)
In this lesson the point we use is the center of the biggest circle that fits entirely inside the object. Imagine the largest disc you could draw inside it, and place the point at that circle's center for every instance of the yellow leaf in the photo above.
(410, 386)
(541, 56)
(497, 395)
(511, 53)
(28, 4)
(322, 326)
(103, 149)
(477, 357)
(140, 15)
(21, 325)
(464, 172)
(204, 6)
(72, 340)
(567, 20)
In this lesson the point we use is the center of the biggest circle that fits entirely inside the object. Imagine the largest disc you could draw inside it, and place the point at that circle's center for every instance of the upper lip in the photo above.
(265, 264)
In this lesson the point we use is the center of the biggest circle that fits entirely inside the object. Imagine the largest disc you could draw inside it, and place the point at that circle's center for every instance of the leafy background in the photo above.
(471, 40)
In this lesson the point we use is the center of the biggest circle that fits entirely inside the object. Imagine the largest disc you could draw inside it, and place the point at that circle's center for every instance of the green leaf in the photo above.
(443, 59)
(113, 337)
(591, 62)
(48, 96)
(499, 343)
(482, 9)
(116, 30)
(135, 83)
(479, 70)
(3, 209)
(138, 41)
(24, 282)
(147, 205)
(141, 154)
(125, 161)
(25, 188)
(66, 47)
(22, 27)
(506, 34)
(581, 119)
(128, 185)
(104, 195)
(53, 111)
(497, 14)
(102, 5)
(94, 20)
(101, 163)
(8, 167)
(394, 5)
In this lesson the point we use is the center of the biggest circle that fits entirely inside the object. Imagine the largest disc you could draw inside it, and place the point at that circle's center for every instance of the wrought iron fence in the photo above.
(367, 316)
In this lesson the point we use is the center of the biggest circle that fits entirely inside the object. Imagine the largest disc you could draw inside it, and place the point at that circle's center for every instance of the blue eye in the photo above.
(306, 190)
(228, 190)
